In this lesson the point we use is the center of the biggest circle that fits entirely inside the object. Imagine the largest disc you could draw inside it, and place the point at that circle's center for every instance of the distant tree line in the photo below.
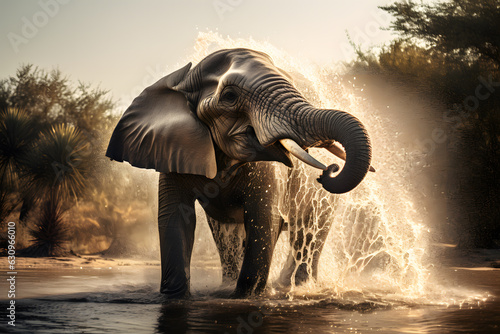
(452, 50)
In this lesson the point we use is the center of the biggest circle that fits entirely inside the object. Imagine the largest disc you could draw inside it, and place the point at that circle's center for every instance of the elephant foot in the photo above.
(229, 278)
(170, 292)
(301, 275)
(238, 295)
(246, 291)
(284, 281)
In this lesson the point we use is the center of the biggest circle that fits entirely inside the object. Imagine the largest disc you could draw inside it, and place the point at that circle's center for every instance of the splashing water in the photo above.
(377, 246)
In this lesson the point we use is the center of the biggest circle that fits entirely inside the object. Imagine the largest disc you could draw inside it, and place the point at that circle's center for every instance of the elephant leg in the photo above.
(317, 247)
(285, 278)
(176, 225)
(262, 229)
(230, 239)
(296, 263)
(306, 245)
(315, 236)
(307, 257)
(256, 262)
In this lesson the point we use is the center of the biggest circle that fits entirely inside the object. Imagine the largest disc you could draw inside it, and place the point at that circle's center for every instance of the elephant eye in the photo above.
(229, 96)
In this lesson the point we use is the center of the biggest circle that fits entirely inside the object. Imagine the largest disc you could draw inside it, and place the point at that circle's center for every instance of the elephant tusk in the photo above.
(339, 152)
(300, 154)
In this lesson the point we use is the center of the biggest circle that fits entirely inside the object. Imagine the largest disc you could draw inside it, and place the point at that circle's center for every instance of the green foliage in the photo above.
(405, 61)
(53, 170)
(50, 233)
(464, 29)
(49, 98)
(51, 151)
(59, 163)
(52, 158)
(18, 134)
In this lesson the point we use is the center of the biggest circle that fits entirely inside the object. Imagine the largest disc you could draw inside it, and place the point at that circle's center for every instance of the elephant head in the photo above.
(235, 106)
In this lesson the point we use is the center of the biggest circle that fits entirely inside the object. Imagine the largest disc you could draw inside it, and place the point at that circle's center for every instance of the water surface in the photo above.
(126, 300)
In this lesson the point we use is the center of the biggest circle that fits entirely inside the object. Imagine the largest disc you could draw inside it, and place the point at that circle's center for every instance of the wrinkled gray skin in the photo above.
(204, 129)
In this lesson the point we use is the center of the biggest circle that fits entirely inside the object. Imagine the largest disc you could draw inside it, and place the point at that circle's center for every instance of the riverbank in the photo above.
(76, 262)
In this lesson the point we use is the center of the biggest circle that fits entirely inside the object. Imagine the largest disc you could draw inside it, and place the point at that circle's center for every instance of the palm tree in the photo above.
(56, 172)
(18, 133)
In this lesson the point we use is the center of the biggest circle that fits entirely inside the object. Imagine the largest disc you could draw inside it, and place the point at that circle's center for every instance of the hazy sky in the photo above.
(113, 42)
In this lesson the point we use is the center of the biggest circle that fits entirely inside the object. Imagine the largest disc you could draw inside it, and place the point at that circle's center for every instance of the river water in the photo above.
(126, 300)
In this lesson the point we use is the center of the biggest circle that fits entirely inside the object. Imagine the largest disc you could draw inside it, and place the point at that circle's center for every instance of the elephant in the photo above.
(213, 131)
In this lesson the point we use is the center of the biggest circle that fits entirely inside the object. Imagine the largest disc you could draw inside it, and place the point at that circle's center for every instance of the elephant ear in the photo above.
(160, 131)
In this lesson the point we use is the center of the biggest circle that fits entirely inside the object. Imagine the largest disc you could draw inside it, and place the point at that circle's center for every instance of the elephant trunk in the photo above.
(349, 131)
(291, 120)
(322, 128)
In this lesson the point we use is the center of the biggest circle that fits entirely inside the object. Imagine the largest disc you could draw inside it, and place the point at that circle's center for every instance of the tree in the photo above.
(467, 30)
(449, 49)
(56, 173)
(49, 98)
(51, 150)
(18, 133)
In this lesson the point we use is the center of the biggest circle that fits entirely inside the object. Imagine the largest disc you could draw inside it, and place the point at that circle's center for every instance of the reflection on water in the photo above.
(127, 300)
